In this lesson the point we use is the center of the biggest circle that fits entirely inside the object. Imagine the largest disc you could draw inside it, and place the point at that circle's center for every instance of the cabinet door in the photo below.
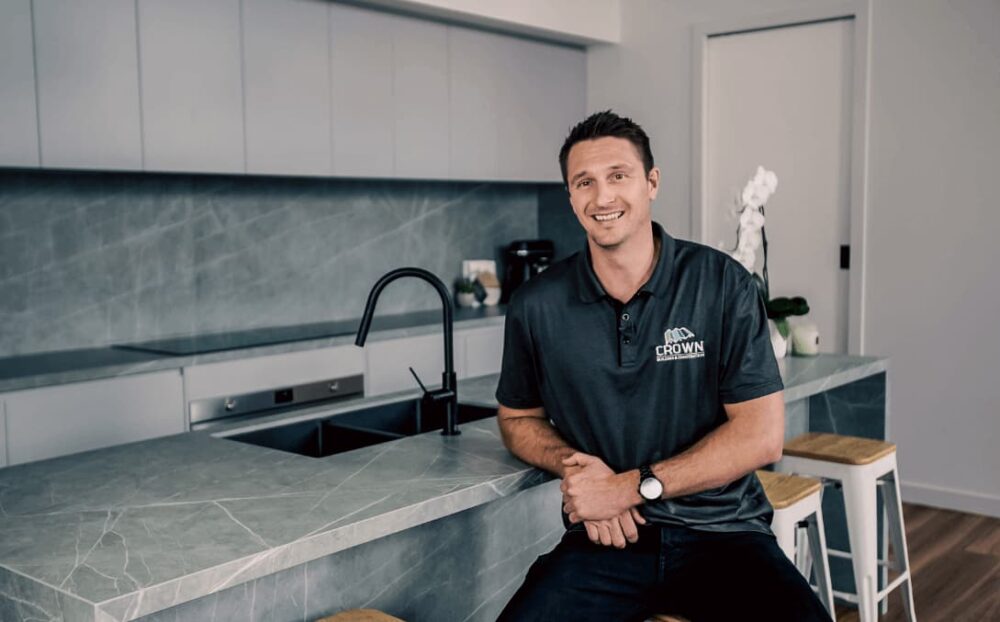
(420, 98)
(60, 420)
(389, 361)
(361, 77)
(192, 85)
(475, 60)
(543, 96)
(286, 62)
(88, 84)
(483, 351)
(19, 119)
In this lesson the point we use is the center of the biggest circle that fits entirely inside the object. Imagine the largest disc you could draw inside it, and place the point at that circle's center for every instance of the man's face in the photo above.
(609, 190)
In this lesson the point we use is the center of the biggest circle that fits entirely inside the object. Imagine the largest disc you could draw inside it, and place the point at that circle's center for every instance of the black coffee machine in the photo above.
(524, 259)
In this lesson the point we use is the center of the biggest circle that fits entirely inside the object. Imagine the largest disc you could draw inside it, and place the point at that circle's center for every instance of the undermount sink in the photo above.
(359, 428)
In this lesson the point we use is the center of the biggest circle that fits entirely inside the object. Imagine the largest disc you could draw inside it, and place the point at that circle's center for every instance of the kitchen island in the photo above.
(193, 526)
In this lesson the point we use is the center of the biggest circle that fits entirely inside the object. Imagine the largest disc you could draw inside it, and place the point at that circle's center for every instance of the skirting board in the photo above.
(950, 499)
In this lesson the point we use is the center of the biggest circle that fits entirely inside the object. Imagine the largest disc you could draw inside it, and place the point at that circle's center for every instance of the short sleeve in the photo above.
(518, 386)
(748, 369)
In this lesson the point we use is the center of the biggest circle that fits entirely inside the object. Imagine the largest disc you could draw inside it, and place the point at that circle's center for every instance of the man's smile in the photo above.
(608, 216)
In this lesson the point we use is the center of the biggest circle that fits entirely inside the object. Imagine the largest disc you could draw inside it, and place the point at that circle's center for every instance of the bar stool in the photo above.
(360, 615)
(798, 512)
(861, 465)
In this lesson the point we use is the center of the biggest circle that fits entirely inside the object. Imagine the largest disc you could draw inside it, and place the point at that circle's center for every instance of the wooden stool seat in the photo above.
(360, 615)
(783, 490)
(838, 448)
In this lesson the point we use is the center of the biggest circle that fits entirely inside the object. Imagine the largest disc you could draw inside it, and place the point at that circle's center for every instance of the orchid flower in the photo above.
(750, 208)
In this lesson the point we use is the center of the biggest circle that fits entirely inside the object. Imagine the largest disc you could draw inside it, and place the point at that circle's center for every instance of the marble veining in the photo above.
(91, 259)
(128, 531)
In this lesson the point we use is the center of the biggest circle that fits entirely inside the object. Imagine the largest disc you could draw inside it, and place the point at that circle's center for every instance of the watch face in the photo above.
(651, 489)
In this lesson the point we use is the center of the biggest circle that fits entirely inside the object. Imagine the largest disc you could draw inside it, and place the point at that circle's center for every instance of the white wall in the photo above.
(932, 298)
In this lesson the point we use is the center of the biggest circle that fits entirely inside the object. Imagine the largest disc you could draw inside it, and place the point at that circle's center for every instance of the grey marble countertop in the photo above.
(52, 368)
(118, 533)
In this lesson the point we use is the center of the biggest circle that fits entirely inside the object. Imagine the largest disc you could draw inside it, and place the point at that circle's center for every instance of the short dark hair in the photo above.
(607, 123)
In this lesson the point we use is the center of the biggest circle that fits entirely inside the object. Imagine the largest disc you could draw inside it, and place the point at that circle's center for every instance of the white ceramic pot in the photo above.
(467, 299)
(805, 339)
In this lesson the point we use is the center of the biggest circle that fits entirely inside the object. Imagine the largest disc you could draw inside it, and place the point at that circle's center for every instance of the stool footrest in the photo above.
(847, 555)
(892, 585)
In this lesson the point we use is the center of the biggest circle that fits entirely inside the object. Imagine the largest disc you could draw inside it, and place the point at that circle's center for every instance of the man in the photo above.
(640, 371)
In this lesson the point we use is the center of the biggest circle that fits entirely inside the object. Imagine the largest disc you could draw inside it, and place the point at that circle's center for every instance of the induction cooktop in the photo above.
(251, 338)
(271, 335)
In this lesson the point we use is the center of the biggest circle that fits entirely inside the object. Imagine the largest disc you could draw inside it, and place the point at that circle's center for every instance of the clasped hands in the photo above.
(601, 499)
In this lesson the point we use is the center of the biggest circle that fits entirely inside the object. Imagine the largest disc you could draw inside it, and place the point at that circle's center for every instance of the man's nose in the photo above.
(605, 194)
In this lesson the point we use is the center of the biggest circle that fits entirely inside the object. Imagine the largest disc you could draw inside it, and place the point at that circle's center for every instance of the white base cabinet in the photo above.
(55, 421)
(477, 352)
(272, 371)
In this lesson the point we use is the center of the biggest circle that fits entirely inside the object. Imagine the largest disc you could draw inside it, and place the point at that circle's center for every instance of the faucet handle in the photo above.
(417, 378)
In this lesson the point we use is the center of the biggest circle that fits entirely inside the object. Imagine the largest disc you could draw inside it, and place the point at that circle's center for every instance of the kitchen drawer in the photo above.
(271, 372)
(483, 351)
(59, 420)
(389, 362)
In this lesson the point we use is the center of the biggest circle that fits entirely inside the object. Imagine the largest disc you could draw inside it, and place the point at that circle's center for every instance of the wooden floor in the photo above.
(955, 567)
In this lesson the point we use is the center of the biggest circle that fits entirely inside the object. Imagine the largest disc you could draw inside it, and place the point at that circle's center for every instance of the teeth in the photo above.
(607, 217)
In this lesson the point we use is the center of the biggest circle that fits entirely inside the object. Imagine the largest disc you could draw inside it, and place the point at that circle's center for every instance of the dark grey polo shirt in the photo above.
(641, 382)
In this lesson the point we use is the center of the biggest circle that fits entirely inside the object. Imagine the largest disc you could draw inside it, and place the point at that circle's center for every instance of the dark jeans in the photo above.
(700, 575)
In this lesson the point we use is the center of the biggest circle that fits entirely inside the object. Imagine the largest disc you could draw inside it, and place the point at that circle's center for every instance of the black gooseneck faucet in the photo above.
(448, 392)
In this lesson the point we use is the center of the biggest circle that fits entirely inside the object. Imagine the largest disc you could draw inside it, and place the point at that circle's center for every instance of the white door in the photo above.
(781, 98)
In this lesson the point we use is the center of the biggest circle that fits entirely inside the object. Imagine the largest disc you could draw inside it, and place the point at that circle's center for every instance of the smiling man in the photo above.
(640, 371)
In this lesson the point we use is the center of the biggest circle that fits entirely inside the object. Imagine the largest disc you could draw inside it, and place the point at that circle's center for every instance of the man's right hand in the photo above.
(615, 531)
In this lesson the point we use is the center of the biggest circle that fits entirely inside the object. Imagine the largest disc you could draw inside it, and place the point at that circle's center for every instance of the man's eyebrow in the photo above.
(614, 167)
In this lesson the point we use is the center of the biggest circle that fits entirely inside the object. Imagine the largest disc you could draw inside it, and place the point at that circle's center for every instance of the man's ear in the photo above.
(653, 182)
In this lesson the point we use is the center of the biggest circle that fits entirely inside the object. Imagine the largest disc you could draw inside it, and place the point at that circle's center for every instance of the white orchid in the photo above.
(750, 209)
(751, 220)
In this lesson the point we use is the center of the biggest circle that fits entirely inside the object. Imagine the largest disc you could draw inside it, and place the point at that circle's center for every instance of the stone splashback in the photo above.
(90, 259)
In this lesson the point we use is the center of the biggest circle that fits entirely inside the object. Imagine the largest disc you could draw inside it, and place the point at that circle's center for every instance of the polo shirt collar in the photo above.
(589, 288)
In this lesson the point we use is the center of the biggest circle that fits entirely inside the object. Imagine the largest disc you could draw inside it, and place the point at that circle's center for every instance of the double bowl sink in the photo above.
(355, 429)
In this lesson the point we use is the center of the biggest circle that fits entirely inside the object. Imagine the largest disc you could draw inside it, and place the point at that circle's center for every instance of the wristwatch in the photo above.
(650, 487)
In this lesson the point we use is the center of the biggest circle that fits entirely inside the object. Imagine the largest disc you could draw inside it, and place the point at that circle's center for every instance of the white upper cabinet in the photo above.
(192, 86)
(476, 102)
(289, 87)
(362, 101)
(420, 98)
(88, 84)
(390, 95)
(547, 84)
(286, 56)
(18, 119)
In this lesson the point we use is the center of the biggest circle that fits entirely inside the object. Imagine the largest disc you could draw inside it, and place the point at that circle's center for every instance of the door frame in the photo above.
(860, 12)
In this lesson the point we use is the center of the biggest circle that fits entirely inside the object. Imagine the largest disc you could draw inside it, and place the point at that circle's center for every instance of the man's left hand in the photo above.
(592, 491)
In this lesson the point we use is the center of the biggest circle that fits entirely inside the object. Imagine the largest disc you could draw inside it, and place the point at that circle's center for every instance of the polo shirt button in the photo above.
(624, 317)
(627, 341)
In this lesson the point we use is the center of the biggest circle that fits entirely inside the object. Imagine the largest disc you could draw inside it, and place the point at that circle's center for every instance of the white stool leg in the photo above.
(803, 553)
(862, 527)
(783, 527)
(821, 565)
(894, 518)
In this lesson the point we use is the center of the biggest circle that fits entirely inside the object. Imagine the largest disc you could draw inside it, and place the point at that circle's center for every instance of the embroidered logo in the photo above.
(678, 344)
